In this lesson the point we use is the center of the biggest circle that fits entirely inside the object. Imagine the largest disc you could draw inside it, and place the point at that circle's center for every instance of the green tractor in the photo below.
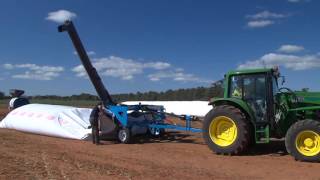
(254, 109)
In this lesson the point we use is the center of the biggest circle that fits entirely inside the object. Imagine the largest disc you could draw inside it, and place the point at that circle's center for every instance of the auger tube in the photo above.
(92, 72)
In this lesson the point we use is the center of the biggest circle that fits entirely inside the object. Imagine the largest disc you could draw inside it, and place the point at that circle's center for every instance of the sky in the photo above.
(156, 45)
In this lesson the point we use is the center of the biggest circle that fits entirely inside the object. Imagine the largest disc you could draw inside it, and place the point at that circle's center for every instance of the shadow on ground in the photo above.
(174, 137)
(274, 148)
(168, 137)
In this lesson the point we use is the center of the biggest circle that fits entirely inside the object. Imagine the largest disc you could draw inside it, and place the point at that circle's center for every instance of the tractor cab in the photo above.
(256, 90)
(259, 90)
(252, 88)
(257, 94)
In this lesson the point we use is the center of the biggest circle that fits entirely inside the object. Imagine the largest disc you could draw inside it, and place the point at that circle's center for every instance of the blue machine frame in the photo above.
(177, 127)
(121, 114)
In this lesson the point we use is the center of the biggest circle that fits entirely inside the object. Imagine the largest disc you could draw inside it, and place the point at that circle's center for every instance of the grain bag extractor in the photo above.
(125, 121)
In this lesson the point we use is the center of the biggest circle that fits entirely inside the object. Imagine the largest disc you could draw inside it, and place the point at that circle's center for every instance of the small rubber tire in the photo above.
(124, 135)
(161, 133)
(293, 133)
(241, 143)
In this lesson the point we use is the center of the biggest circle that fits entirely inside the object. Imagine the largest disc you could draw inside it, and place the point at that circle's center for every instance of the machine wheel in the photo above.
(124, 135)
(162, 133)
(156, 133)
(303, 141)
(226, 130)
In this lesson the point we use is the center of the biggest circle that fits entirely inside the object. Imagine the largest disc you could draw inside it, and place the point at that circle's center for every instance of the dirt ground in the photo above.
(175, 156)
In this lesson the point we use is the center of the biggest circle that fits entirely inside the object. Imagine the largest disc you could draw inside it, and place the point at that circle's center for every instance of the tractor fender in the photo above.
(247, 110)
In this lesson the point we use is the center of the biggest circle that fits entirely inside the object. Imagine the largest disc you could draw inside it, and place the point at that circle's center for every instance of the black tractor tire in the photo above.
(292, 141)
(124, 135)
(242, 139)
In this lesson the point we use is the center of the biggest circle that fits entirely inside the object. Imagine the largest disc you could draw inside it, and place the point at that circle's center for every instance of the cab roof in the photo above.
(250, 71)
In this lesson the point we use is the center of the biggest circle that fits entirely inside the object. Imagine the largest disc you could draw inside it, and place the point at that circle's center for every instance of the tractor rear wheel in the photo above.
(303, 140)
(226, 130)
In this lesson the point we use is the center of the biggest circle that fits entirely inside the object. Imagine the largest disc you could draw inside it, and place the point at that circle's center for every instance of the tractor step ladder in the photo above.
(262, 134)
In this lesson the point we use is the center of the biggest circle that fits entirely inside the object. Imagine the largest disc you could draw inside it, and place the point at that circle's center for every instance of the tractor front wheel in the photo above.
(226, 130)
(303, 140)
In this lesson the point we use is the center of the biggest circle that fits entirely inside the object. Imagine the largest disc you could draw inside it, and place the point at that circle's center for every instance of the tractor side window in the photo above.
(248, 87)
(255, 94)
(236, 87)
(254, 87)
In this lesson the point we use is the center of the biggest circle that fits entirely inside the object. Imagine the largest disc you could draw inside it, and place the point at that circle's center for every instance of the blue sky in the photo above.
(156, 45)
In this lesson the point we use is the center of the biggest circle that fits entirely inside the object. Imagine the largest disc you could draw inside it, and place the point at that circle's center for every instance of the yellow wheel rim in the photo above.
(223, 131)
(308, 143)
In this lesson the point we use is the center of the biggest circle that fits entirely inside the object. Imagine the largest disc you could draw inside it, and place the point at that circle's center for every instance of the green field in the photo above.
(77, 103)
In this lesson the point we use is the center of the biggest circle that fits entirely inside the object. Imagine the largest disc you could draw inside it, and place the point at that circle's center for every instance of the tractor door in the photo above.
(253, 89)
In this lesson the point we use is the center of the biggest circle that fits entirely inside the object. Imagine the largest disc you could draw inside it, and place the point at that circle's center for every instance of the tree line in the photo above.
(188, 94)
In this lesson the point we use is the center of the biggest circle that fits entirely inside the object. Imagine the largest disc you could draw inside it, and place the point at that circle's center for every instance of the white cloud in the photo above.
(119, 67)
(292, 62)
(157, 65)
(89, 53)
(298, 1)
(178, 75)
(60, 16)
(8, 66)
(259, 23)
(35, 72)
(264, 19)
(267, 15)
(287, 48)
(126, 69)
